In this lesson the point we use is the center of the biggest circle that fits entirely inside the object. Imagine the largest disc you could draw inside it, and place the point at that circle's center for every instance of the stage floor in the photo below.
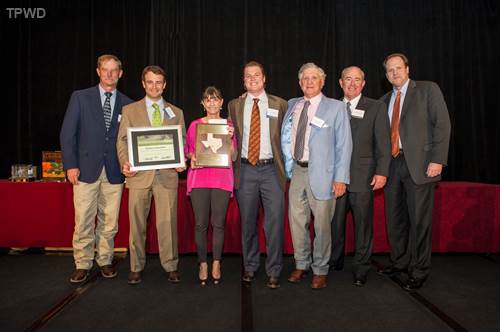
(462, 294)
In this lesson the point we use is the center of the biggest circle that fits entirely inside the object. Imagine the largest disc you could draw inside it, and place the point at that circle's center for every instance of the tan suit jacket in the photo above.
(163, 185)
(136, 115)
(236, 108)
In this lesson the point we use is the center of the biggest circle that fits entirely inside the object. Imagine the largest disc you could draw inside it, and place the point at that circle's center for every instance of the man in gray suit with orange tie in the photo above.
(420, 137)
(370, 159)
(88, 139)
(151, 111)
(259, 172)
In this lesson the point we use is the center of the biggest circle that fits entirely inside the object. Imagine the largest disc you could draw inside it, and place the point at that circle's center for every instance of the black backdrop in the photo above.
(205, 42)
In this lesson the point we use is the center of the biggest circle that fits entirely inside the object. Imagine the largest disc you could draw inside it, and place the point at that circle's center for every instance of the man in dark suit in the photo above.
(259, 172)
(420, 137)
(370, 159)
(88, 144)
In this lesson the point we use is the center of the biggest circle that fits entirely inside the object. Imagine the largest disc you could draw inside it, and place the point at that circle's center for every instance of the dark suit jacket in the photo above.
(424, 128)
(236, 108)
(371, 152)
(85, 143)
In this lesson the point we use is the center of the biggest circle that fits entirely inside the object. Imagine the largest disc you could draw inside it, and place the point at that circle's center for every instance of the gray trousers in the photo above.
(302, 202)
(209, 204)
(256, 183)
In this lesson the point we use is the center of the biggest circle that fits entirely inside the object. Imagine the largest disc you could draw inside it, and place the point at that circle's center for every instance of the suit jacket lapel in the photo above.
(142, 115)
(240, 104)
(410, 94)
(116, 111)
(273, 122)
(97, 107)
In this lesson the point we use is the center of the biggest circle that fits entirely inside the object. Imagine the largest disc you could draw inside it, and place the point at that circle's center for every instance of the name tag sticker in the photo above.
(272, 113)
(358, 113)
(317, 122)
(170, 113)
(217, 121)
(119, 117)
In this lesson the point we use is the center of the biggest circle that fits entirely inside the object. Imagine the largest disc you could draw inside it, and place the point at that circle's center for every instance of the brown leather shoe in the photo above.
(318, 282)
(174, 277)
(134, 278)
(78, 276)
(297, 275)
(108, 271)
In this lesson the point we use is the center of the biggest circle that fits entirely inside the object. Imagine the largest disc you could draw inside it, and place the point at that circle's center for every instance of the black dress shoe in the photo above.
(273, 283)
(359, 282)
(390, 271)
(248, 276)
(414, 284)
(174, 277)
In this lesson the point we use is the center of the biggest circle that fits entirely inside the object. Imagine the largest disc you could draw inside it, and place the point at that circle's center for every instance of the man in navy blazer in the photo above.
(88, 144)
(317, 145)
(420, 138)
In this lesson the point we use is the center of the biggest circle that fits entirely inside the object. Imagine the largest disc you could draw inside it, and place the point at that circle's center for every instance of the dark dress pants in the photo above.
(408, 210)
(361, 206)
(261, 183)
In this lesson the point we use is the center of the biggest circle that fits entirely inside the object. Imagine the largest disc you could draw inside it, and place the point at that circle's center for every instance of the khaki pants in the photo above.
(99, 198)
(139, 203)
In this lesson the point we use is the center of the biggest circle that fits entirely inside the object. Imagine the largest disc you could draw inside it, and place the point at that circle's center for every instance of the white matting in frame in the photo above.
(155, 147)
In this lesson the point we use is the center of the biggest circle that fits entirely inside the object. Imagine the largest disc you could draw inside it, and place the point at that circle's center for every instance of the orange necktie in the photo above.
(395, 126)
(254, 137)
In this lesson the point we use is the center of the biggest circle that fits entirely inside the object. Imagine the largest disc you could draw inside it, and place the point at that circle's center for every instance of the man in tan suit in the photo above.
(162, 184)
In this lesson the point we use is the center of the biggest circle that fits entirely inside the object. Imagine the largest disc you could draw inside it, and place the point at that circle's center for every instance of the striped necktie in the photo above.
(107, 109)
(254, 137)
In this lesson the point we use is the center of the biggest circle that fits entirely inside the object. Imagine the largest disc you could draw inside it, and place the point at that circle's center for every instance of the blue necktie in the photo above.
(107, 109)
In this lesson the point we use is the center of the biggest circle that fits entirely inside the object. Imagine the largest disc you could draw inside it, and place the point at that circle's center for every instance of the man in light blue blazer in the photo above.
(316, 143)
(88, 144)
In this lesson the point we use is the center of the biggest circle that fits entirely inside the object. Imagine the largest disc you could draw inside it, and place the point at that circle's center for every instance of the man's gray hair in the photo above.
(311, 65)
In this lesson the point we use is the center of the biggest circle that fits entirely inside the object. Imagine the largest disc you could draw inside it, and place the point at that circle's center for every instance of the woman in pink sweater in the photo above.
(210, 188)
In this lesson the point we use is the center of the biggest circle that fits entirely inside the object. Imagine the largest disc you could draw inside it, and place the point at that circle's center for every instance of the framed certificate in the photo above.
(213, 145)
(155, 147)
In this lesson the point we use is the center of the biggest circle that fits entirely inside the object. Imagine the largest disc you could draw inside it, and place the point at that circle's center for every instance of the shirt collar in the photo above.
(102, 91)
(262, 97)
(315, 100)
(354, 102)
(403, 88)
(149, 103)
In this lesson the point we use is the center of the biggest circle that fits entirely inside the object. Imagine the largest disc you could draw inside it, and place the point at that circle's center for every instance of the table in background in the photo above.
(40, 214)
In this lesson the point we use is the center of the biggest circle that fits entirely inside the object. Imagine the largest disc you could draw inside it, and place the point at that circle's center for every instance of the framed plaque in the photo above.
(155, 147)
(213, 145)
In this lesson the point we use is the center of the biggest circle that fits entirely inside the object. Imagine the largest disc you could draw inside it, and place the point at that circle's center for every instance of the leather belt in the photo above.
(302, 163)
(261, 162)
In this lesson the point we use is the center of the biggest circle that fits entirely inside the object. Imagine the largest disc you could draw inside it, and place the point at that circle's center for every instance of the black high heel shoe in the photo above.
(203, 281)
(216, 279)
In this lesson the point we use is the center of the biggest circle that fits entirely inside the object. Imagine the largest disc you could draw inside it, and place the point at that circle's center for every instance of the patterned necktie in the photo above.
(395, 126)
(254, 137)
(300, 135)
(156, 118)
(107, 109)
(348, 107)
